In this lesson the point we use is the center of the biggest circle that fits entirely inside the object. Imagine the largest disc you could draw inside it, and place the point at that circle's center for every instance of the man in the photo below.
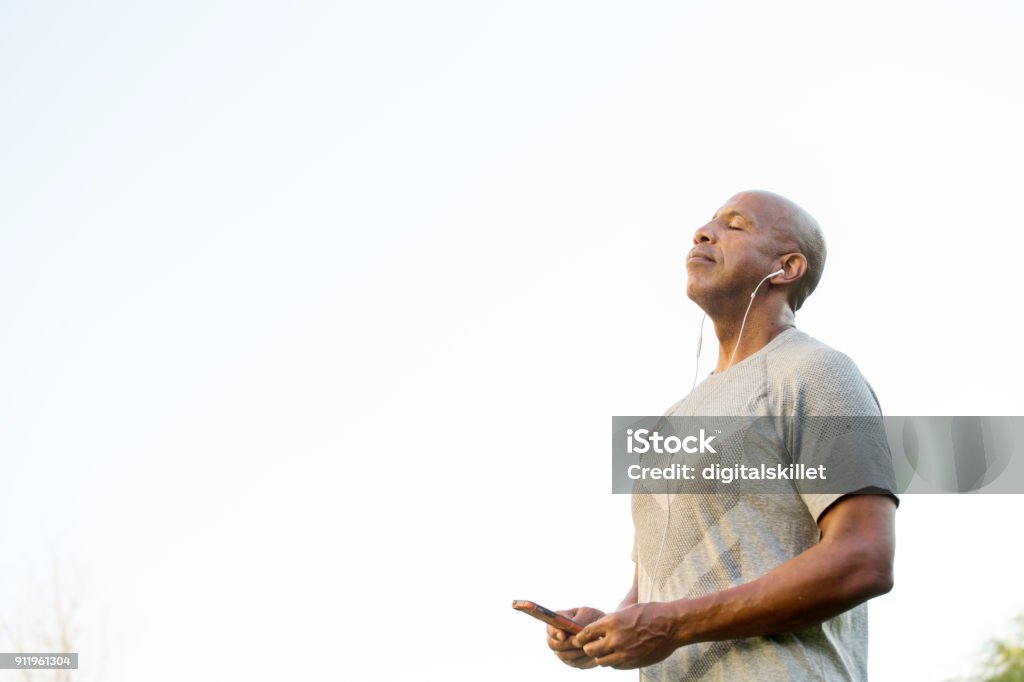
(755, 586)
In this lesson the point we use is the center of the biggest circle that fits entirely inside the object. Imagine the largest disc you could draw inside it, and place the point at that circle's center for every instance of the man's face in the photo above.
(733, 251)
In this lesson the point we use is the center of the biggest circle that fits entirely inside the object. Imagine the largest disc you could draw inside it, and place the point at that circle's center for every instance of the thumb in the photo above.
(588, 634)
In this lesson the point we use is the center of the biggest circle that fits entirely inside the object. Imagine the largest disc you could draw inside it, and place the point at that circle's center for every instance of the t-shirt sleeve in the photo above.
(838, 427)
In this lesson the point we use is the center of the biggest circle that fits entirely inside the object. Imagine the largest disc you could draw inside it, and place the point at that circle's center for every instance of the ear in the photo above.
(795, 266)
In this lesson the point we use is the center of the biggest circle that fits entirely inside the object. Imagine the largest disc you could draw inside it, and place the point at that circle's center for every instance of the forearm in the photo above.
(820, 583)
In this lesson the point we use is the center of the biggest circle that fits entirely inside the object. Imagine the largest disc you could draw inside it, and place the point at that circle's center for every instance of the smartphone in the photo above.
(547, 615)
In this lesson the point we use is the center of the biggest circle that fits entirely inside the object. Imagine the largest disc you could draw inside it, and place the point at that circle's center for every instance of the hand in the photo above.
(639, 635)
(561, 642)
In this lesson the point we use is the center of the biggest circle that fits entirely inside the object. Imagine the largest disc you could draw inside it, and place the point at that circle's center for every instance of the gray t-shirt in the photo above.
(715, 542)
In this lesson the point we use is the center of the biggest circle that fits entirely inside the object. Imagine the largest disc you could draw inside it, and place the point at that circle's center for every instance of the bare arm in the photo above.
(852, 563)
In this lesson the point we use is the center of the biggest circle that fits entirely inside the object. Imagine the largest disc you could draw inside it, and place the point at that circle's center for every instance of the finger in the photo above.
(584, 663)
(572, 655)
(557, 634)
(620, 660)
(598, 648)
(555, 645)
(614, 659)
(593, 631)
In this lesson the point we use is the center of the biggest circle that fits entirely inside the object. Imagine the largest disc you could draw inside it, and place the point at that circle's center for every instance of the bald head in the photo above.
(793, 229)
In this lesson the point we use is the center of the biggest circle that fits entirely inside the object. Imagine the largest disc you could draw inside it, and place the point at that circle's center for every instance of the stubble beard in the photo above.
(720, 302)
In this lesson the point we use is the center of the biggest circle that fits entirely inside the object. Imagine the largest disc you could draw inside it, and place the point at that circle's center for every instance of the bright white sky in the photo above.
(313, 316)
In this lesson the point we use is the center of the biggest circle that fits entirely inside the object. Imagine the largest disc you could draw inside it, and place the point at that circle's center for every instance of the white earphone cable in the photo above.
(743, 324)
(700, 341)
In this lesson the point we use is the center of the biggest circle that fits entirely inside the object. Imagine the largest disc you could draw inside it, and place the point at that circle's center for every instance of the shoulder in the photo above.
(811, 377)
(804, 357)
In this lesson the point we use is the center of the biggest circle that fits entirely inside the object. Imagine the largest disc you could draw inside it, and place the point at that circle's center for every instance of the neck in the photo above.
(761, 327)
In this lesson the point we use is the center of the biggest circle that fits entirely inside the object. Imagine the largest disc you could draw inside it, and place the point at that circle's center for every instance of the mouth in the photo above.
(699, 257)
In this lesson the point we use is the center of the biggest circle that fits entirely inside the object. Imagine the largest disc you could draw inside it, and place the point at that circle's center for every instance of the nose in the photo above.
(703, 235)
